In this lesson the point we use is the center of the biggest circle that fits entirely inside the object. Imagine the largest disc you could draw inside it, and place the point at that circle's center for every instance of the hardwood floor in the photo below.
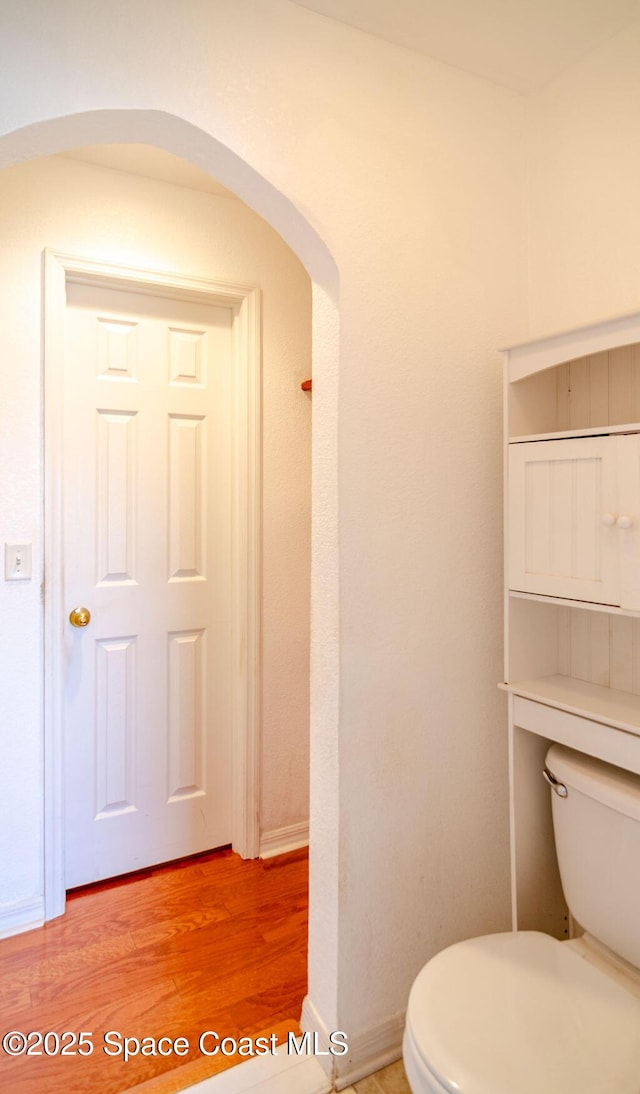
(211, 943)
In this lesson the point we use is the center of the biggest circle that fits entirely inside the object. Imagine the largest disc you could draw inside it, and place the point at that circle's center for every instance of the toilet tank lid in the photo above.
(611, 786)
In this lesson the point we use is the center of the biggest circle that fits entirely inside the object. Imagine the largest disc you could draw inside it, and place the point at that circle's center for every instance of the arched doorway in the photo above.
(181, 138)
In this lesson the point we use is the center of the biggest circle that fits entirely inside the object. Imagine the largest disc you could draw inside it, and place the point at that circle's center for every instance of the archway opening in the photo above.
(179, 138)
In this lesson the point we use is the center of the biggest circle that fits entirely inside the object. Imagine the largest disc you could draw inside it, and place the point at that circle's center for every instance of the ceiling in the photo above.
(522, 44)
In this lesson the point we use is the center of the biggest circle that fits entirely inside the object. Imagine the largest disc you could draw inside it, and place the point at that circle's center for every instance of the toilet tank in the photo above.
(597, 833)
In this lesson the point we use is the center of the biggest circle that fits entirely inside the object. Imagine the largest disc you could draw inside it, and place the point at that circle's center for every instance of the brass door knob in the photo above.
(80, 617)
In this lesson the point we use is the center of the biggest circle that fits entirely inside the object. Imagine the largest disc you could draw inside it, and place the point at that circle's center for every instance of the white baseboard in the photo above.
(311, 1022)
(24, 915)
(281, 840)
(368, 1051)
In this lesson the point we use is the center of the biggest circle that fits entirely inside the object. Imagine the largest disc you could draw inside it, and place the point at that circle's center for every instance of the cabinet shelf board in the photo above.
(566, 434)
(619, 709)
(566, 602)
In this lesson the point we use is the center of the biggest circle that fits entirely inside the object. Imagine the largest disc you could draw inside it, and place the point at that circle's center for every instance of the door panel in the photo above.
(186, 714)
(559, 492)
(116, 458)
(147, 512)
(115, 711)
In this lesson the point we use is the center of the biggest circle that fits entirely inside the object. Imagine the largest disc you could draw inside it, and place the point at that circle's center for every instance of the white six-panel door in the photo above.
(147, 512)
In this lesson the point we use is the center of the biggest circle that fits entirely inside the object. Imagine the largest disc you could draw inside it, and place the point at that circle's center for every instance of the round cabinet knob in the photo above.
(80, 617)
(624, 521)
(608, 519)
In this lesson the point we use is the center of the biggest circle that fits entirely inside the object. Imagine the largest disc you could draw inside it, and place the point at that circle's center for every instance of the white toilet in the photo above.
(522, 1013)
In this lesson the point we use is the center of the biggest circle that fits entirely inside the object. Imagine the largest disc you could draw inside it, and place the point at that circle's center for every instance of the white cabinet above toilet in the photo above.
(574, 519)
(572, 579)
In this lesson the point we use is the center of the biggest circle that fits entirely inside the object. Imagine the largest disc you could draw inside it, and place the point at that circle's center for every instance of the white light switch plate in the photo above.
(17, 561)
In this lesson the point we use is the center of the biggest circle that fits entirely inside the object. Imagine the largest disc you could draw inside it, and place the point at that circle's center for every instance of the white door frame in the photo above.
(245, 539)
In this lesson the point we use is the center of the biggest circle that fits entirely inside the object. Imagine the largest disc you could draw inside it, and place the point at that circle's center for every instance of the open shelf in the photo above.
(619, 709)
(596, 393)
(565, 602)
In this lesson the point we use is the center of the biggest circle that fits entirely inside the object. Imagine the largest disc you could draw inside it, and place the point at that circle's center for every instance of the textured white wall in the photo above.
(411, 173)
(584, 208)
(117, 217)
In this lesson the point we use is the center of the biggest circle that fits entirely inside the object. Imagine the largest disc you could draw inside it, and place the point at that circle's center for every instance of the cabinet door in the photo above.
(562, 531)
(628, 519)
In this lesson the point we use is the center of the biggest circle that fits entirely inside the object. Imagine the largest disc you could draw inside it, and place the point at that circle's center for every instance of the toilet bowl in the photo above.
(523, 1013)
(520, 1013)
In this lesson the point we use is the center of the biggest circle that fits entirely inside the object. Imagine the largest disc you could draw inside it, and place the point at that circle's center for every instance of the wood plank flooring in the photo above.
(211, 943)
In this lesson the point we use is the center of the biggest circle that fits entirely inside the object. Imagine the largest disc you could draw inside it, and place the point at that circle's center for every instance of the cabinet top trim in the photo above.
(526, 358)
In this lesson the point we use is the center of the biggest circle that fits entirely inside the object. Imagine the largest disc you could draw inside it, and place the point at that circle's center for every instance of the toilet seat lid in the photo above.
(521, 1012)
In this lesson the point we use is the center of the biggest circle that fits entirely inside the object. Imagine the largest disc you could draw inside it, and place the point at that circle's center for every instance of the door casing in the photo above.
(244, 301)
